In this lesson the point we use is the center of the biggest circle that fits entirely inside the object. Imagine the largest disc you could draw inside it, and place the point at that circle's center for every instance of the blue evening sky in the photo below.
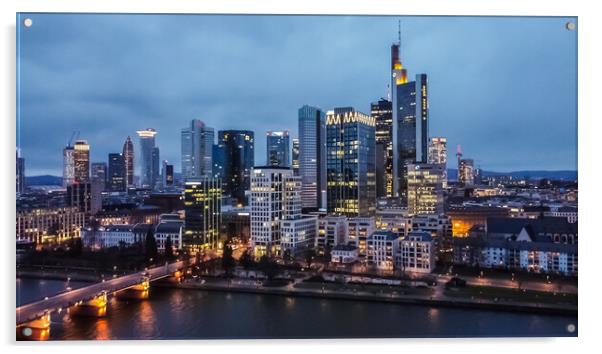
(503, 88)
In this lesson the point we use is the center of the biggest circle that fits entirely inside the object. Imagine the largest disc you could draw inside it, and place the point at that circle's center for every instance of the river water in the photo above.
(194, 314)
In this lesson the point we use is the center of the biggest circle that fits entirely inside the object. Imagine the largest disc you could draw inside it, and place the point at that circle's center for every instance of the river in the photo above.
(194, 314)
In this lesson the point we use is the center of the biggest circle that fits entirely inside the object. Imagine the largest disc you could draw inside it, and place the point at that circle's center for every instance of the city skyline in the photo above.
(169, 99)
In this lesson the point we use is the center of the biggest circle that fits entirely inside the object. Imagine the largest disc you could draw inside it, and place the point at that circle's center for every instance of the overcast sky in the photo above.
(503, 88)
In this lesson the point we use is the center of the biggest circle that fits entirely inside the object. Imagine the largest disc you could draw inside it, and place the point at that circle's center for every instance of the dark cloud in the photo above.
(504, 88)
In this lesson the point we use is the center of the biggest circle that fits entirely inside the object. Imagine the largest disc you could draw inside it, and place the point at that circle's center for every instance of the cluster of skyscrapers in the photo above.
(342, 162)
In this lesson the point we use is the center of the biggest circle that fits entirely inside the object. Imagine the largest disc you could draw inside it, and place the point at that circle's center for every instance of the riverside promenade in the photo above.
(434, 297)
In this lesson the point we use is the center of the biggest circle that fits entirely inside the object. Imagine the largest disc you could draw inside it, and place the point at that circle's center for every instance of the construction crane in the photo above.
(74, 136)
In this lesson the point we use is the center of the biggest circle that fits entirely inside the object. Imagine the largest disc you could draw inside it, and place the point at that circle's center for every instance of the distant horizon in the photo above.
(491, 91)
(448, 169)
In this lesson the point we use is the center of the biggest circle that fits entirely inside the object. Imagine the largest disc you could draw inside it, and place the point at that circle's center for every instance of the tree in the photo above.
(310, 253)
(327, 251)
(286, 255)
(246, 260)
(150, 245)
(228, 262)
(268, 267)
(76, 247)
(168, 249)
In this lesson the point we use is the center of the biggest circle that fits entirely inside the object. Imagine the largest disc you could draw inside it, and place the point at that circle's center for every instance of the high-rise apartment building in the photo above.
(312, 156)
(238, 160)
(350, 164)
(275, 196)
(278, 149)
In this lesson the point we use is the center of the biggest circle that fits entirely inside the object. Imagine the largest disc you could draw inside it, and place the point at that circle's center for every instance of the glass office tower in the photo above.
(147, 157)
(197, 150)
(202, 214)
(410, 122)
(238, 160)
(312, 157)
(350, 164)
(278, 149)
(381, 111)
(117, 173)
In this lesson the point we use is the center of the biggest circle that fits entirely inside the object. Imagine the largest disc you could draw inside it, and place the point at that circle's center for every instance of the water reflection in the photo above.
(182, 314)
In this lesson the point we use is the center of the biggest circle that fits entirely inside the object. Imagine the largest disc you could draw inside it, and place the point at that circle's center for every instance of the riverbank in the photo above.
(58, 275)
(410, 299)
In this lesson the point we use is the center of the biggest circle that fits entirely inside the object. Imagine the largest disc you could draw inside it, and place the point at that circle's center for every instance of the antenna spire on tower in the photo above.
(399, 32)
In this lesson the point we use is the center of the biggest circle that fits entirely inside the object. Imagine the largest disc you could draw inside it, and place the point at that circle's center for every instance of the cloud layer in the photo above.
(504, 88)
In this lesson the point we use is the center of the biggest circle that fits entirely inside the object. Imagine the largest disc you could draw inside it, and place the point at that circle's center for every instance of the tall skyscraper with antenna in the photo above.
(410, 120)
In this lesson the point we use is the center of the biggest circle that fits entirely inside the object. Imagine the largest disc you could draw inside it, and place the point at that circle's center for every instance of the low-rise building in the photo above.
(172, 229)
(530, 249)
(382, 248)
(108, 236)
(344, 254)
(49, 225)
(332, 231)
(299, 234)
(358, 231)
(569, 212)
(416, 253)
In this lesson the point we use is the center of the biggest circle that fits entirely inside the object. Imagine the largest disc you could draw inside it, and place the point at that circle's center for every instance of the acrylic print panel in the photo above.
(245, 176)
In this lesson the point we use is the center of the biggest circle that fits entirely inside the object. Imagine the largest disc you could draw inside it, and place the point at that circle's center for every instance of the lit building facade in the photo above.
(425, 189)
(382, 112)
(79, 195)
(437, 154)
(416, 253)
(202, 214)
(68, 166)
(238, 148)
(98, 173)
(81, 162)
(312, 156)
(49, 225)
(275, 196)
(278, 149)
(117, 173)
(295, 157)
(197, 150)
(148, 158)
(128, 158)
(410, 121)
(350, 163)
(358, 230)
(332, 231)
(167, 174)
(466, 172)
(381, 250)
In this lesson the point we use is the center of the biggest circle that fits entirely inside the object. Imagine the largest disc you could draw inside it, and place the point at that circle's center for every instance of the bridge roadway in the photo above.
(34, 310)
